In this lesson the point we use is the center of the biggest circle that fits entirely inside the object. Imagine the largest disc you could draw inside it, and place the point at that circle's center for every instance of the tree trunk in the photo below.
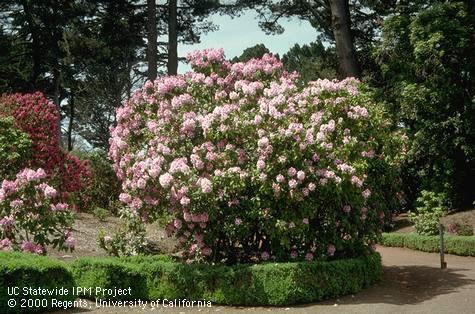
(71, 121)
(172, 64)
(152, 39)
(341, 24)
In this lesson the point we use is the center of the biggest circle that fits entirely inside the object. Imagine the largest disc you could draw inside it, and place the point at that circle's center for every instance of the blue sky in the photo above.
(235, 35)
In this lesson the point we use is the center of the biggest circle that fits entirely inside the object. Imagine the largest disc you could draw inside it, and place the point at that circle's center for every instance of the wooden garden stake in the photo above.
(443, 264)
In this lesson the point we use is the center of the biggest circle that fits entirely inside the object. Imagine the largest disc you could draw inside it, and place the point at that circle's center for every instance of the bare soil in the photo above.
(87, 227)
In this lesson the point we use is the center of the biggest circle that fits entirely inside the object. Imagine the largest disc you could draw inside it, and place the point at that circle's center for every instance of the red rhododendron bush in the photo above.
(247, 165)
(34, 115)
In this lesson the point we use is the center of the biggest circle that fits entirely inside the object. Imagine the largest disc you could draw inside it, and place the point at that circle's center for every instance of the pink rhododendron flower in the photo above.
(177, 223)
(70, 242)
(125, 198)
(265, 256)
(16, 203)
(366, 193)
(5, 245)
(206, 251)
(28, 246)
(309, 256)
(165, 180)
(50, 192)
(206, 185)
(291, 172)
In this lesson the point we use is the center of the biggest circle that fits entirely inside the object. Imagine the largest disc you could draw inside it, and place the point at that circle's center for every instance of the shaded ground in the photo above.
(412, 283)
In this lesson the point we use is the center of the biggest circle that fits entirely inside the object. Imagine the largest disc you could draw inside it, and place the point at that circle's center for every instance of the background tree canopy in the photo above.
(415, 56)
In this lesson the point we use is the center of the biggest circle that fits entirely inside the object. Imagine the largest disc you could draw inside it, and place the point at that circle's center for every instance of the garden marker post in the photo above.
(443, 264)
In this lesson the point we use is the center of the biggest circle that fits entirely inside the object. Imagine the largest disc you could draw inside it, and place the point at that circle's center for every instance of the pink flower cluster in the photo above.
(26, 203)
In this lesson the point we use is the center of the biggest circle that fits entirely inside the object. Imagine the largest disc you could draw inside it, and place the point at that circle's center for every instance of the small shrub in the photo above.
(31, 215)
(431, 207)
(128, 239)
(100, 213)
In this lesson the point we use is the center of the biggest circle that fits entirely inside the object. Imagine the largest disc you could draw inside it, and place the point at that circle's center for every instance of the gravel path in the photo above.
(412, 283)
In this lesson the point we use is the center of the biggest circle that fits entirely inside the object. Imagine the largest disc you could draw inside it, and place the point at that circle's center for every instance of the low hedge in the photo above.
(457, 245)
(158, 277)
(19, 271)
(264, 284)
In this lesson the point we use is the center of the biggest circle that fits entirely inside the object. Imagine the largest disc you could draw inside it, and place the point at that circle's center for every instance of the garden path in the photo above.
(412, 283)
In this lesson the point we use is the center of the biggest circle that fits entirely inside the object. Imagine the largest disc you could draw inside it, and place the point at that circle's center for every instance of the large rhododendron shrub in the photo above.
(34, 115)
(32, 215)
(248, 166)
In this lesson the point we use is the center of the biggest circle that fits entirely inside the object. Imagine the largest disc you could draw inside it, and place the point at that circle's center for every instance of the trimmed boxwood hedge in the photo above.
(458, 245)
(159, 277)
(27, 270)
(264, 284)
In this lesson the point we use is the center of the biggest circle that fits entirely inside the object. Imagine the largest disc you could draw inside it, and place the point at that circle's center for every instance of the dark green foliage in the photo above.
(265, 284)
(428, 69)
(108, 273)
(254, 52)
(28, 270)
(458, 245)
(104, 188)
(313, 61)
(15, 148)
